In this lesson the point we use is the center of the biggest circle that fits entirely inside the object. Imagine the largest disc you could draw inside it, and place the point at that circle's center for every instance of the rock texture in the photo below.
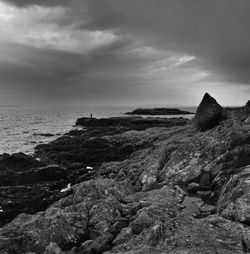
(208, 113)
(163, 189)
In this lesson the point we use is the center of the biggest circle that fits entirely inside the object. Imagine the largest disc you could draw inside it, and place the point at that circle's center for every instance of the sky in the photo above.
(128, 52)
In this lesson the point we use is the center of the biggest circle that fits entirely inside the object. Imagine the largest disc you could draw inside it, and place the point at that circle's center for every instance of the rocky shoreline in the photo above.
(137, 185)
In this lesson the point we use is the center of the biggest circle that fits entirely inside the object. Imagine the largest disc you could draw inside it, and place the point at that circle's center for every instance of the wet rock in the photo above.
(18, 162)
(208, 113)
(27, 185)
(47, 173)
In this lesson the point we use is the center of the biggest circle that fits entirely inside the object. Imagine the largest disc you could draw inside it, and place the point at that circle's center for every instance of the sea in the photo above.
(23, 128)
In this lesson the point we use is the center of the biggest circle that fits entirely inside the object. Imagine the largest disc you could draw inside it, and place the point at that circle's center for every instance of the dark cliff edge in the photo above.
(158, 111)
(133, 185)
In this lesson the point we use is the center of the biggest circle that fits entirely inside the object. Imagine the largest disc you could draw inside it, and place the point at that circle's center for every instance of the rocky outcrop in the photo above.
(131, 123)
(208, 113)
(233, 202)
(158, 111)
(27, 185)
(156, 190)
(30, 185)
(104, 214)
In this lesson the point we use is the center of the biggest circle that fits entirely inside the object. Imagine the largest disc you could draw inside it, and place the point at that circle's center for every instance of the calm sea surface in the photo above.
(21, 129)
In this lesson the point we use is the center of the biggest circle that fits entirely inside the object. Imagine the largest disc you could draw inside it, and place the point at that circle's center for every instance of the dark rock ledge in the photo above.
(156, 187)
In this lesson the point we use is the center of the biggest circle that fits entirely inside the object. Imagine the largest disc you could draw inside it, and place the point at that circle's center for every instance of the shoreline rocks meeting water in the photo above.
(133, 185)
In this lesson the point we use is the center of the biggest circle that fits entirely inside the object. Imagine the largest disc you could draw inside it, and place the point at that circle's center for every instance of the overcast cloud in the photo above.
(124, 51)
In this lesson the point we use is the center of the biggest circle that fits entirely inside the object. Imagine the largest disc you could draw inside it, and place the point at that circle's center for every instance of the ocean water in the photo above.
(21, 129)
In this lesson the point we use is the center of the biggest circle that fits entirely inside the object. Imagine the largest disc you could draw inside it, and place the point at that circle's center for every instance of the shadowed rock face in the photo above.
(208, 113)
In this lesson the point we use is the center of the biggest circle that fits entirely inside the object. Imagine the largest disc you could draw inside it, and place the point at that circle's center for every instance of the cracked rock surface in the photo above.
(156, 189)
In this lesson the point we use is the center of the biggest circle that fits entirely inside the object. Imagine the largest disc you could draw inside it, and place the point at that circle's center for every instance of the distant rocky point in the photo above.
(158, 111)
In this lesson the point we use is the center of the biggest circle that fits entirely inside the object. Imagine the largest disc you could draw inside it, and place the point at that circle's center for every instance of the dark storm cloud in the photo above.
(23, 3)
(215, 31)
(136, 42)
(54, 73)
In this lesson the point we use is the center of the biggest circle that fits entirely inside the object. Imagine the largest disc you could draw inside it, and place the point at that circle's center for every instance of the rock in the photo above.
(158, 111)
(18, 162)
(125, 235)
(86, 247)
(127, 190)
(247, 121)
(43, 174)
(116, 228)
(27, 185)
(234, 199)
(102, 243)
(193, 187)
(131, 122)
(247, 107)
(205, 180)
(95, 205)
(53, 249)
(208, 113)
(44, 134)
(204, 193)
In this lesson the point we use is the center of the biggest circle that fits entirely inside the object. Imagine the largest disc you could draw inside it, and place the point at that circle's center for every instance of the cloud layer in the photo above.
(125, 51)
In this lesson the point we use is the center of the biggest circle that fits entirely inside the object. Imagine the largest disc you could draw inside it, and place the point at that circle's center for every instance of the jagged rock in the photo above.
(136, 200)
(247, 121)
(95, 205)
(102, 243)
(116, 228)
(234, 200)
(208, 113)
(53, 249)
(86, 247)
(160, 226)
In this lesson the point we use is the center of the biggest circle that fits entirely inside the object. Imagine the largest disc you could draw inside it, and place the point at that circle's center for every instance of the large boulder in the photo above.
(208, 113)
(248, 106)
